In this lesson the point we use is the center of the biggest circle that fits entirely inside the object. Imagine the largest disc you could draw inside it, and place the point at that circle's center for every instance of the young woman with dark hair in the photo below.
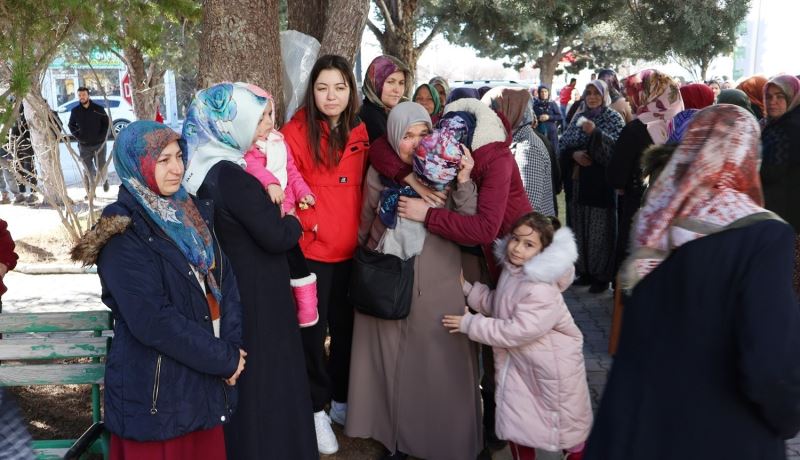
(329, 144)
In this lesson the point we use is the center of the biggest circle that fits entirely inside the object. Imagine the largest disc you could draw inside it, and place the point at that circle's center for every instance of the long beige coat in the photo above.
(413, 385)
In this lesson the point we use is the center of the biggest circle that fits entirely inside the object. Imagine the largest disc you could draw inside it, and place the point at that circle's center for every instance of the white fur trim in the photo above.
(488, 128)
(551, 264)
(305, 281)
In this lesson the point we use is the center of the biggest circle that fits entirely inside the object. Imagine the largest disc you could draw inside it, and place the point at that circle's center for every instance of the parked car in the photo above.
(121, 112)
(490, 83)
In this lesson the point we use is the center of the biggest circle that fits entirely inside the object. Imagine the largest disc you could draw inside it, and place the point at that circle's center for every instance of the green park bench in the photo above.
(22, 353)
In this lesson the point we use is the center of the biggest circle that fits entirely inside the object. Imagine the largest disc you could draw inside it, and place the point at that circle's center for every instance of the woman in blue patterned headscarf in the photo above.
(178, 330)
(275, 419)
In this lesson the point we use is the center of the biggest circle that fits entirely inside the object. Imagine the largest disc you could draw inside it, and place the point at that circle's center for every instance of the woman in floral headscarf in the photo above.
(710, 346)
(387, 83)
(780, 166)
(177, 354)
(754, 88)
(587, 146)
(655, 99)
(275, 419)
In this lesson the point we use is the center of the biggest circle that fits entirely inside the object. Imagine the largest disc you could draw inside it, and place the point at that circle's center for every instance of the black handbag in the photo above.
(381, 285)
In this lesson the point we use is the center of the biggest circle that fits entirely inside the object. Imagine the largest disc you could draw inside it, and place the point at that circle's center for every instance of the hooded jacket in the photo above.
(542, 395)
(330, 227)
(164, 373)
(7, 255)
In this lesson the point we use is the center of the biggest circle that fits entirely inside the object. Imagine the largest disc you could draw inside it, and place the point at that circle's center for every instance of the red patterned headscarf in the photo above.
(711, 181)
(655, 98)
(754, 88)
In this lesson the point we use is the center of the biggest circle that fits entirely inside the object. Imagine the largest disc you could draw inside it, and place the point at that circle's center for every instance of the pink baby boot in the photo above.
(305, 298)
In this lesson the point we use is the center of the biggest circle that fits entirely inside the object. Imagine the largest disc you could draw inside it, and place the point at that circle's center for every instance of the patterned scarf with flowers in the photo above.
(135, 154)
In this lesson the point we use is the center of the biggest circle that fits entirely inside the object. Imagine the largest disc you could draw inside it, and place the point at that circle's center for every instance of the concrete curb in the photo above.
(55, 269)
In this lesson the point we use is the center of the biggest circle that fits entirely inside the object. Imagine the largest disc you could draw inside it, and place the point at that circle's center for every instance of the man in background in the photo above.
(88, 122)
(566, 95)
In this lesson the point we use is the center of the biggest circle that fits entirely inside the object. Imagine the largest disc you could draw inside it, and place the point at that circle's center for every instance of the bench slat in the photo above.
(52, 348)
(98, 320)
(50, 453)
(51, 374)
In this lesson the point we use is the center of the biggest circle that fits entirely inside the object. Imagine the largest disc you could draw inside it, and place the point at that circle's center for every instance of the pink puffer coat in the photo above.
(542, 396)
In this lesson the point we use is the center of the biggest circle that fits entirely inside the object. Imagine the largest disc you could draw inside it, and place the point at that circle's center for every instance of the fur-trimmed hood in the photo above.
(88, 248)
(555, 264)
(489, 127)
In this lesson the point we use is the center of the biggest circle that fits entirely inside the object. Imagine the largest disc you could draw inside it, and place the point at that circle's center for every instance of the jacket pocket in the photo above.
(308, 221)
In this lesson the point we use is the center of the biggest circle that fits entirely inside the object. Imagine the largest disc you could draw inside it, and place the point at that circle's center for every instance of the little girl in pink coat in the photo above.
(270, 161)
(542, 395)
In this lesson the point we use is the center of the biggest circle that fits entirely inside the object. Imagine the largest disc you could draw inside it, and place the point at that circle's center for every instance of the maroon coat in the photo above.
(7, 255)
(501, 195)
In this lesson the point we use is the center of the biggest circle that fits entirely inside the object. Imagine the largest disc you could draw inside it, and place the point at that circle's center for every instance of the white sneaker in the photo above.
(338, 412)
(326, 438)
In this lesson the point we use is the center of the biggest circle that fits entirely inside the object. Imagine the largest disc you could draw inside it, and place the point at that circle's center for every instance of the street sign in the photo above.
(126, 88)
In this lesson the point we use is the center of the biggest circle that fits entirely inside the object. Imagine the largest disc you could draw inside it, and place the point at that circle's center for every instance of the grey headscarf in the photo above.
(401, 117)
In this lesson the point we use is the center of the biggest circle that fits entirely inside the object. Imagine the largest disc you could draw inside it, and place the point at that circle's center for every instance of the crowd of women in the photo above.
(229, 253)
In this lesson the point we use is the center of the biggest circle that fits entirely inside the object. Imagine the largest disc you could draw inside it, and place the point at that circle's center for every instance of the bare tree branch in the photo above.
(427, 41)
(388, 20)
(376, 31)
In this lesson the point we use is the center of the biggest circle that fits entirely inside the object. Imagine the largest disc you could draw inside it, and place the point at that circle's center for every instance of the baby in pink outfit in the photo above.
(270, 161)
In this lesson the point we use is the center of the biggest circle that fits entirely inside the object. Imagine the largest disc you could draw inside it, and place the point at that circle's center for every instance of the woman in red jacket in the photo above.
(329, 145)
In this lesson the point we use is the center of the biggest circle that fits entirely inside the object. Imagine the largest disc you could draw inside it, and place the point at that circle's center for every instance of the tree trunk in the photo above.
(344, 29)
(704, 64)
(547, 67)
(402, 47)
(397, 37)
(241, 42)
(145, 86)
(308, 16)
(45, 147)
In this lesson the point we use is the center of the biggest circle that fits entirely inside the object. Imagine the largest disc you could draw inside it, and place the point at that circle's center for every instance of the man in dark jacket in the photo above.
(88, 122)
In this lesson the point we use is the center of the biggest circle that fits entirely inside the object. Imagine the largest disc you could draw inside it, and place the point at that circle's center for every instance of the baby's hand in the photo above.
(453, 322)
(307, 200)
(275, 193)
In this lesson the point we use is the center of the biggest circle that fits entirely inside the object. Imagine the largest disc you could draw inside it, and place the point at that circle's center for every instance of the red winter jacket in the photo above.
(501, 195)
(7, 255)
(330, 227)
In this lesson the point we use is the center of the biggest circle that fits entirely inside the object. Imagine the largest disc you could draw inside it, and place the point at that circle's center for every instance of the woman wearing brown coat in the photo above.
(414, 386)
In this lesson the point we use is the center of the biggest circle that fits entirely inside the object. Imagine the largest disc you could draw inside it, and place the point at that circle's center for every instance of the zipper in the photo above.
(225, 392)
(156, 384)
(501, 387)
